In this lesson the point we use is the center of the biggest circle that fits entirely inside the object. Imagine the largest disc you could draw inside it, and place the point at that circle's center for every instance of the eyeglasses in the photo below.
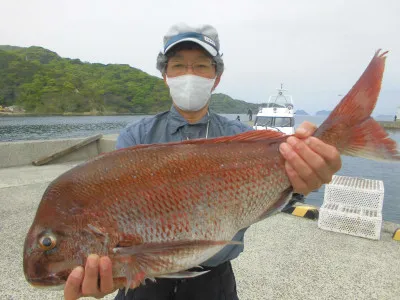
(176, 68)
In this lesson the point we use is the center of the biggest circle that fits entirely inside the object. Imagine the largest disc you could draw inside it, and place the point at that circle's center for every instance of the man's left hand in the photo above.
(309, 162)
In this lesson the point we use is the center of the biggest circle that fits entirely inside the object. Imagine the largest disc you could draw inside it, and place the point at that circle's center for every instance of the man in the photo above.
(191, 66)
(250, 113)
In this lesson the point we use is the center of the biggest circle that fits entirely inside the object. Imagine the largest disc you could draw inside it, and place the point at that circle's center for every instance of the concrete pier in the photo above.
(14, 154)
(285, 257)
(390, 124)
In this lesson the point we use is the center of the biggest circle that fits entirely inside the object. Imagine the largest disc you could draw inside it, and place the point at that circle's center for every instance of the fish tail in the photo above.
(350, 127)
(370, 140)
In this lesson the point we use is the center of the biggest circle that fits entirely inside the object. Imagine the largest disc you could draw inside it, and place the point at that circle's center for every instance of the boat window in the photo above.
(284, 122)
(263, 121)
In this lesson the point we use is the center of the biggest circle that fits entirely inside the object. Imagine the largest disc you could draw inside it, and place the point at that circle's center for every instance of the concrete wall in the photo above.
(107, 143)
(23, 153)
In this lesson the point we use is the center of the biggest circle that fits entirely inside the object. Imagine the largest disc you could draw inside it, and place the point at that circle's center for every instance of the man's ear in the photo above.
(217, 80)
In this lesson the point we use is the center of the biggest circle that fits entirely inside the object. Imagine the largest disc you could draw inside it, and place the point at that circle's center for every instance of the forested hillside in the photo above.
(40, 81)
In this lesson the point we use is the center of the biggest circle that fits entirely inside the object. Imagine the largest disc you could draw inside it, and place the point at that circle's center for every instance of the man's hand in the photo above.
(309, 161)
(85, 282)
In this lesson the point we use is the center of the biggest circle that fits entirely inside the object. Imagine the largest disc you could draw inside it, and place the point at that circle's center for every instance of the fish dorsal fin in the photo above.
(266, 135)
(248, 136)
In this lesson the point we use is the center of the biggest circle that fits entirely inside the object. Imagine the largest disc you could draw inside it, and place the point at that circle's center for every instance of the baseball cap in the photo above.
(204, 35)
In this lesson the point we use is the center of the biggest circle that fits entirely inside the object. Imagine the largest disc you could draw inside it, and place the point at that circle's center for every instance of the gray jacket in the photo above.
(170, 126)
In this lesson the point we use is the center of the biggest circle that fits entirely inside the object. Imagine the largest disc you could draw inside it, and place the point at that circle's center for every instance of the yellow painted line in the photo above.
(396, 235)
(300, 211)
(304, 211)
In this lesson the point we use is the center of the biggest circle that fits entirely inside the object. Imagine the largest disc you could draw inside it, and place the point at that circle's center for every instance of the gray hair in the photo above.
(162, 59)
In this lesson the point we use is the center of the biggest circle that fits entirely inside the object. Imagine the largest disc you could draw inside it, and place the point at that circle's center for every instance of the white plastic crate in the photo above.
(353, 206)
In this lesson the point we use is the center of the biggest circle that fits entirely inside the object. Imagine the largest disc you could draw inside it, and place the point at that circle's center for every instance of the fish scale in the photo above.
(192, 188)
(157, 210)
(214, 186)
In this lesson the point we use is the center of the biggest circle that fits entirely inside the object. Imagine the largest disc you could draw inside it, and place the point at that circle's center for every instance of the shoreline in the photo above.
(390, 124)
(384, 124)
(85, 114)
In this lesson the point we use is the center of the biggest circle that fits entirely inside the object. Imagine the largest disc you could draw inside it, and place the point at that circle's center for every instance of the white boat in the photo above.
(278, 114)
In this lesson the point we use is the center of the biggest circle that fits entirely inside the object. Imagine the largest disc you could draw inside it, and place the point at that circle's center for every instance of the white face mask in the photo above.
(190, 92)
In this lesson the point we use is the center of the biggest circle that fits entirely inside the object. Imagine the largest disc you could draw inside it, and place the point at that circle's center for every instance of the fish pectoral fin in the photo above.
(148, 248)
(183, 274)
(148, 255)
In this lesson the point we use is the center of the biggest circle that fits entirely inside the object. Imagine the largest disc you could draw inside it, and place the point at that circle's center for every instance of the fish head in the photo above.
(63, 233)
(50, 254)
(55, 245)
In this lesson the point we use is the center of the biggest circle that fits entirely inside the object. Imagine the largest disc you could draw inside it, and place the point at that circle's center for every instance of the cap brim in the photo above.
(204, 45)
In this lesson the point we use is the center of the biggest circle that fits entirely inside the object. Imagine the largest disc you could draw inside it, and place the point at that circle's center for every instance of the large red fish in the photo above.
(157, 210)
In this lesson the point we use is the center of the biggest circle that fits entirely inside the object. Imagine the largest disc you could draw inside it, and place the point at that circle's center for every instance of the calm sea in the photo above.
(53, 127)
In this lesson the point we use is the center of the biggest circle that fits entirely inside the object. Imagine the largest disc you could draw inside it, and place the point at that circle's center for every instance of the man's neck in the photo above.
(193, 116)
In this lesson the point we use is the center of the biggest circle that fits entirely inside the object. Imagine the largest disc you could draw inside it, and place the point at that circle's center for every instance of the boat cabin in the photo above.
(278, 114)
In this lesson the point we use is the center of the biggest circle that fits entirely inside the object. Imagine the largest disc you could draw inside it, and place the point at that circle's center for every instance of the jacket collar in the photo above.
(176, 120)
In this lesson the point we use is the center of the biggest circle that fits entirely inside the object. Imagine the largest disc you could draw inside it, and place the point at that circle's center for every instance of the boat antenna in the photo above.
(281, 90)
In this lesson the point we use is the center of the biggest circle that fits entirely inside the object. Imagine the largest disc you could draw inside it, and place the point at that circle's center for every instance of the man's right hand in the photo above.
(85, 282)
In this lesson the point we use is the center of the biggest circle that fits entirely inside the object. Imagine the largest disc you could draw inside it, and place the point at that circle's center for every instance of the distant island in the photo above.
(36, 80)
(301, 112)
(323, 112)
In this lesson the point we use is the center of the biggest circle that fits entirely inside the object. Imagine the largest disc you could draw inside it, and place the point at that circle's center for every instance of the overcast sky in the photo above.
(317, 48)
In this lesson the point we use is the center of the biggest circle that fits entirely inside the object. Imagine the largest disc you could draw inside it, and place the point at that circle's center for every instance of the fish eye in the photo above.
(47, 242)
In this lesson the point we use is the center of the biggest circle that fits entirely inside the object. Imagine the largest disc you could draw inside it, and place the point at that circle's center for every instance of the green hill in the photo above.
(40, 81)
(222, 103)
